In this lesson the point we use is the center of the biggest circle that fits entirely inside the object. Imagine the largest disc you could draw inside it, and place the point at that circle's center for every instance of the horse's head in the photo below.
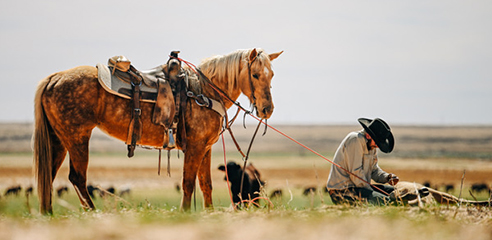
(256, 79)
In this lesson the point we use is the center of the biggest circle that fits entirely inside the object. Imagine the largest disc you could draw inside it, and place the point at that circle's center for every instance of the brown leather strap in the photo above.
(135, 128)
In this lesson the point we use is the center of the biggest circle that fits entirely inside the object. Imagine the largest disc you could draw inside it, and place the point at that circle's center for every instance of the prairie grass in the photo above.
(436, 154)
(150, 217)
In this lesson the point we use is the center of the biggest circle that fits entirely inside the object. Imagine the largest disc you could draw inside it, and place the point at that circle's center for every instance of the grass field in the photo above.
(439, 155)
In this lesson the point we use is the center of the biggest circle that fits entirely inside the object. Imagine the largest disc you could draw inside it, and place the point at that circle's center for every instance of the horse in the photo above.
(248, 72)
(68, 105)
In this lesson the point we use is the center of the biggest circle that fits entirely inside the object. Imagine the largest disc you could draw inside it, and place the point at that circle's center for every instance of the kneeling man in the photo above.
(357, 154)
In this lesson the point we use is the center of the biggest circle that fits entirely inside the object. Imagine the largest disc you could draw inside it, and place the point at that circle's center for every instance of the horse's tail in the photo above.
(43, 160)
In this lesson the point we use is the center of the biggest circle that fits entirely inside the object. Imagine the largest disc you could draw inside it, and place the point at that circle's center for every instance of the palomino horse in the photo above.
(244, 71)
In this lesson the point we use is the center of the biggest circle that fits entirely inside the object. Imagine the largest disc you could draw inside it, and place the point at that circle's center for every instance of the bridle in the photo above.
(252, 87)
(238, 105)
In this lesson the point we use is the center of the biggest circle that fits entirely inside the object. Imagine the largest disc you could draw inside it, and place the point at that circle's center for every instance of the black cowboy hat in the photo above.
(380, 131)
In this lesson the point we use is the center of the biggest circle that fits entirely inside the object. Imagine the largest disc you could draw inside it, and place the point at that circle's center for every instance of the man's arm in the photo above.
(380, 176)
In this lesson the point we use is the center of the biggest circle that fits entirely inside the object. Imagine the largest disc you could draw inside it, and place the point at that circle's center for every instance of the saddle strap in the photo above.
(135, 128)
(181, 101)
(203, 101)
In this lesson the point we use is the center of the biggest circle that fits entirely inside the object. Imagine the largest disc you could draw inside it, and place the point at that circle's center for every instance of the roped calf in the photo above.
(252, 182)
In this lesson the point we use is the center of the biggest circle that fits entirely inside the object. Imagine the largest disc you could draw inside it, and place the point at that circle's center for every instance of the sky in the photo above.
(408, 62)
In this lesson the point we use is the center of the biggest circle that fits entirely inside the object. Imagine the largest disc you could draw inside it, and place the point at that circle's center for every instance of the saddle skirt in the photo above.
(120, 85)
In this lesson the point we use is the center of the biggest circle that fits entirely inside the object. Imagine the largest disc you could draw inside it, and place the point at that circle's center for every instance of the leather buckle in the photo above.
(202, 101)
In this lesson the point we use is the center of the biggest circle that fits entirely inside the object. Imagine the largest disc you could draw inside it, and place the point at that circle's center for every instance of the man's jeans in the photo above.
(363, 195)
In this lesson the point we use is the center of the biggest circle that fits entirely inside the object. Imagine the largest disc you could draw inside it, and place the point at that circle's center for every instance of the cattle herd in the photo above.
(94, 191)
(252, 186)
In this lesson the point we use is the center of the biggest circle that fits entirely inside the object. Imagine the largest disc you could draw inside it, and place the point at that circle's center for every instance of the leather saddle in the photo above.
(120, 84)
(120, 78)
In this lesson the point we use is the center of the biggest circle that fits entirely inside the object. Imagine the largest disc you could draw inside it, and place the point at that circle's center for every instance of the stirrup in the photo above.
(171, 143)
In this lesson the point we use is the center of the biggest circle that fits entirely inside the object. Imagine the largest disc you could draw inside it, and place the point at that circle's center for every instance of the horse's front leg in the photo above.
(206, 180)
(193, 158)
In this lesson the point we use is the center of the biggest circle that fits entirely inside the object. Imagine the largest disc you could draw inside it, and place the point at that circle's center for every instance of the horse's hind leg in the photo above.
(193, 158)
(79, 161)
(205, 180)
(58, 152)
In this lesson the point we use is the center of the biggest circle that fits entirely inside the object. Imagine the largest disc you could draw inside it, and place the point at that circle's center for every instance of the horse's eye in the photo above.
(256, 76)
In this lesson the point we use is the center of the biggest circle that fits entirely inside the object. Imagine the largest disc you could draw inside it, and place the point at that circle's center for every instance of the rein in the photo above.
(223, 94)
(246, 112)
(238, 105)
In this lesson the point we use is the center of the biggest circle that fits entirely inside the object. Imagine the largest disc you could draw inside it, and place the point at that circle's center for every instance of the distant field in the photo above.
(440, 155)
(422, 153)
(411, 141)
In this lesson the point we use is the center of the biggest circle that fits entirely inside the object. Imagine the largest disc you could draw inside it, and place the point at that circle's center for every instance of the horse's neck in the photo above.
(232, 92)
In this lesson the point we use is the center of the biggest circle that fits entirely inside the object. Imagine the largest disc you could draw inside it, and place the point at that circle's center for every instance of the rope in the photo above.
(211, 84)
(227, 175)
(318, 154)
(195, 69)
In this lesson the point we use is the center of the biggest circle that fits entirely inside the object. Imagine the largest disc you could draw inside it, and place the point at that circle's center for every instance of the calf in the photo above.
(251, 183)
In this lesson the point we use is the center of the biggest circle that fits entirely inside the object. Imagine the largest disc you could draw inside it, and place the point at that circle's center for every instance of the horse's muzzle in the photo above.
(264, 112)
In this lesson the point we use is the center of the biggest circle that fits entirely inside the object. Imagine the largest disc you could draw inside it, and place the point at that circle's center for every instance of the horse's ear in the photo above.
(221, 168)
(252, 55)
(274, 55)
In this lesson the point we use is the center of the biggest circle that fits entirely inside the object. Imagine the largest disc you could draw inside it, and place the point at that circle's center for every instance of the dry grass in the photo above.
(329, 222)
(435, 154)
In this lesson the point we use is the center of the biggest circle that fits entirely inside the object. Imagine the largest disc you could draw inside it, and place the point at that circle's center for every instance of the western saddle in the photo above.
(122, 79)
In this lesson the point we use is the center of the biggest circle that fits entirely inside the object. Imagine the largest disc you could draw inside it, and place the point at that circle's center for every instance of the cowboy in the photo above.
(358, 164)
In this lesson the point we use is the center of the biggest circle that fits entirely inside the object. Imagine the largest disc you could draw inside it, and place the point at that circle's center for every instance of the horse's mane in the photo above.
(227, 67)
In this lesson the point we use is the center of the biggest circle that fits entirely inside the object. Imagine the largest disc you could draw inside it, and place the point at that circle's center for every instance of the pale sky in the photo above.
(408, 62)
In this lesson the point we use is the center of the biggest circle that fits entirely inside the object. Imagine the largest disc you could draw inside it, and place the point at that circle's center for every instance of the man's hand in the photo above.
(393, 179)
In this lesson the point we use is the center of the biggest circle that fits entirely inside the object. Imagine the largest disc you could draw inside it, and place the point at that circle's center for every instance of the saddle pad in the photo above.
(120, 88)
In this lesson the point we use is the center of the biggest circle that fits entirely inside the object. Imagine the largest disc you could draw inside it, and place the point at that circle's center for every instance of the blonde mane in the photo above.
(227, 68)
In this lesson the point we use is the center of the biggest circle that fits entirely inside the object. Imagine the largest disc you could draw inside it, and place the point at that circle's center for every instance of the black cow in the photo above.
(91, 189)
(61, 190)
(309, 191)
(29, 191)
(111, 190)
(13, 190)
(479, 187)
(125, 191)
(251, 184)
(449, 187)
(277, 193)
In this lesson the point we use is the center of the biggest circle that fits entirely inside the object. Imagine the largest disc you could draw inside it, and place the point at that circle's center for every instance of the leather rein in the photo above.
(237, 104)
